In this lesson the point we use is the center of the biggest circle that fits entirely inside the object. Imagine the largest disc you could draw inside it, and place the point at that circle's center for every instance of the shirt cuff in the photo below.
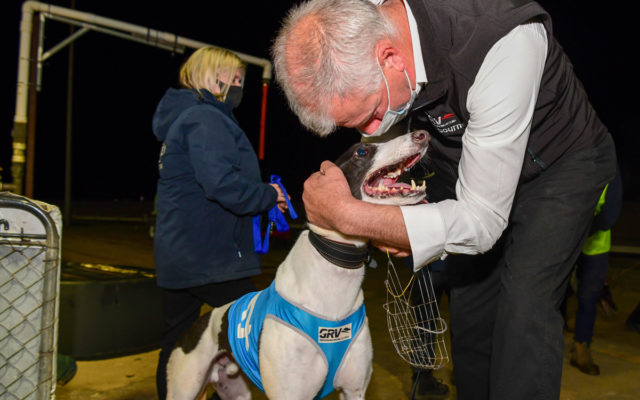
(426, 231)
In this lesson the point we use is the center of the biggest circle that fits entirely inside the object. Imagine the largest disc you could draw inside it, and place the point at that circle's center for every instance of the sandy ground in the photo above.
(615, 348)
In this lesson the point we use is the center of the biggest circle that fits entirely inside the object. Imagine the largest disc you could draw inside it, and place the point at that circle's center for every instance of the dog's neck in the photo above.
(338, 249)
(337, 236)
(315, 283)
(338, 253)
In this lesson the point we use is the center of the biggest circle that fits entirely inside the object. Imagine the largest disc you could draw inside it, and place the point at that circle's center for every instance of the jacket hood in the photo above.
(174, 102)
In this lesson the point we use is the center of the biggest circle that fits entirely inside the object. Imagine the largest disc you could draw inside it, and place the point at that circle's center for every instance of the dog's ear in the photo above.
(346, 156)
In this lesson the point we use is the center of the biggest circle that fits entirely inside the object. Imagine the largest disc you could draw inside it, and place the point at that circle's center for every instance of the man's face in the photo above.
(360, 111)
(365, 112)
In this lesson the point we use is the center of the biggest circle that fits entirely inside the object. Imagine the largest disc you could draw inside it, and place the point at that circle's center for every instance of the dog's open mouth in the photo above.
(390, 181)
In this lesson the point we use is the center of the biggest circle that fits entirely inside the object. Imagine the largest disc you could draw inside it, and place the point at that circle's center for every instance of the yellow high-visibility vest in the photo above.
(600, 241)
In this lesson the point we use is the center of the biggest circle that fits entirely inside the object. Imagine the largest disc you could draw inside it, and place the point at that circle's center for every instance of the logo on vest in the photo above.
(446, 124)
(333, 335)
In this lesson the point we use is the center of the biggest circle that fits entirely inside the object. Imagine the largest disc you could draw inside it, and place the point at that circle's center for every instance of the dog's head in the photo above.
(376, 172)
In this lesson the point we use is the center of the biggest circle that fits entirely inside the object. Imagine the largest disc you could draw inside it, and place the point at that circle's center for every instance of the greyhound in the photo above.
(306, 334)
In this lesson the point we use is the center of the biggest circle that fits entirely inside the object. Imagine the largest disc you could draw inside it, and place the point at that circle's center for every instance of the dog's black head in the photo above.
(374, 170)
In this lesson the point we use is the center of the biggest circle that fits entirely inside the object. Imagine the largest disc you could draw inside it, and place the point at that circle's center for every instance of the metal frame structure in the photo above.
(30, 64)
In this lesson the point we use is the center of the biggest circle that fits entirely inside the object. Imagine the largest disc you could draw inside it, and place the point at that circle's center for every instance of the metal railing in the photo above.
(29, 282)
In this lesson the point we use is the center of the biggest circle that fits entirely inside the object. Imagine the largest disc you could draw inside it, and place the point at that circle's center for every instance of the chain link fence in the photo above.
(29, 282)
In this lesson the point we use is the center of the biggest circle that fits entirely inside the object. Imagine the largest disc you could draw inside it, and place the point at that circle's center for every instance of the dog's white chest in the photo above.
(247, 315)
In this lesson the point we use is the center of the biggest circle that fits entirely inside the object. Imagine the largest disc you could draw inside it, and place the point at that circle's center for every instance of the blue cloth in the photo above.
(248, 313)
(275, 218)
(209, 189)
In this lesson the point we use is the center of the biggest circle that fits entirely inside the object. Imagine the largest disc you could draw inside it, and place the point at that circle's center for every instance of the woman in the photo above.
(208, 191)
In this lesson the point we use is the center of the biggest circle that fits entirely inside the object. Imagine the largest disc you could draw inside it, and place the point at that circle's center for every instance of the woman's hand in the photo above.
(281, 201)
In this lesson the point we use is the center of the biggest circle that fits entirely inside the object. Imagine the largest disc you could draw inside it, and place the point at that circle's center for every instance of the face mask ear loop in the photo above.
(243, 79)
(386, 85)
(408, 80)
(224, 87)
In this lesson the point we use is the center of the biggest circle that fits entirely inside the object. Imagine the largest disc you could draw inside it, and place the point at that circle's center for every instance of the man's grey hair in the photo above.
(325, 51)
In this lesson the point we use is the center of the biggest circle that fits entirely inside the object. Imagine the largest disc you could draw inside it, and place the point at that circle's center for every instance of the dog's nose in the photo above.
(420, 137)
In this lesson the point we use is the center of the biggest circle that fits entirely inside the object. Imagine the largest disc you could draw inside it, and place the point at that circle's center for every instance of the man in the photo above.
(513, 135)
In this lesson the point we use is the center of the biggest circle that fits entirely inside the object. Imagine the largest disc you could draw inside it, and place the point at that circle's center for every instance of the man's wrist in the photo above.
(346, 220)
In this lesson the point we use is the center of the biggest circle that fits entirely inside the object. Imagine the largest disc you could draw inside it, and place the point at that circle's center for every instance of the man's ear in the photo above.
(388, 55)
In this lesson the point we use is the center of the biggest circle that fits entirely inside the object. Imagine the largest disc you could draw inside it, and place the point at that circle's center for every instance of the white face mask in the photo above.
(391, 117)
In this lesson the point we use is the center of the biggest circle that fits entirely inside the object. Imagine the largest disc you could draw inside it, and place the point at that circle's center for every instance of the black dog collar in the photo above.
(340, 254)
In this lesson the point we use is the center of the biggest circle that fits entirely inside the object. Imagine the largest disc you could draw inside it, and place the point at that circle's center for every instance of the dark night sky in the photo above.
(118, 84)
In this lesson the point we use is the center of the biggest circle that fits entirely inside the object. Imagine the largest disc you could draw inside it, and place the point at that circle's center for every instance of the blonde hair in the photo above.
(201, 69)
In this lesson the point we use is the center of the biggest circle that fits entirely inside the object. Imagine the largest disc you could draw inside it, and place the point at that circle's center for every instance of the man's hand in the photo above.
(329, 204)
(393, 251)
(326, 193)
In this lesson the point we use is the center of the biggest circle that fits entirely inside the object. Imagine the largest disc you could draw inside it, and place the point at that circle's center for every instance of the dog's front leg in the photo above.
(354, 374)
(292, 368)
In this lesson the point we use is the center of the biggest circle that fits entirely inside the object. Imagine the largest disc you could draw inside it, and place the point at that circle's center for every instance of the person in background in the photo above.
(512, 132)
(591, 274)
(209, 188)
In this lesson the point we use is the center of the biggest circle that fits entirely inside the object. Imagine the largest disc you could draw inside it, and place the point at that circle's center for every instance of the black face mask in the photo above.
(234, 96)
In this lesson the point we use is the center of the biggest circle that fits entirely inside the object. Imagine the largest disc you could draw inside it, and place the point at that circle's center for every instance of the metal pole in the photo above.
(263, 119)
(32, 111)
(68, 137)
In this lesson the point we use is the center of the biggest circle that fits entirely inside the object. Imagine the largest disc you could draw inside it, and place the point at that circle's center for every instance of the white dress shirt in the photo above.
(501, 103)
(421, 72)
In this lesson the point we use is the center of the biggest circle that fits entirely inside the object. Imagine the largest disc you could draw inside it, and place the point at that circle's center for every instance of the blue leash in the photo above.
(275, 218)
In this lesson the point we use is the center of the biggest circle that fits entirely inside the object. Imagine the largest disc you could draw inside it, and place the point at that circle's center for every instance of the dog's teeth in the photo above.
(381, 187)
(424, 185)
(413, 185)
(393, 174)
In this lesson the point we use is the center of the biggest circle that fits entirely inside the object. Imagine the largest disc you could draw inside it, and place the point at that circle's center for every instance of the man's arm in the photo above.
(501, 103)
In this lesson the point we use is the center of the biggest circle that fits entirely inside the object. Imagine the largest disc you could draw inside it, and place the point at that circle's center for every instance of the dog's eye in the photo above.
(361, 152)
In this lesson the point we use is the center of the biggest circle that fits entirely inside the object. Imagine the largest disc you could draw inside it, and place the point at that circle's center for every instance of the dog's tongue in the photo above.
(391, 182)
(392, 186)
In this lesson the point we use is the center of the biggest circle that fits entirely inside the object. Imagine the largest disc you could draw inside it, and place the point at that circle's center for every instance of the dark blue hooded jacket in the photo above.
(209, 189)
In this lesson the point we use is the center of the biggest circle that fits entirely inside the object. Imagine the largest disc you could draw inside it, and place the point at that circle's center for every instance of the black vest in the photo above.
(455, 36)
